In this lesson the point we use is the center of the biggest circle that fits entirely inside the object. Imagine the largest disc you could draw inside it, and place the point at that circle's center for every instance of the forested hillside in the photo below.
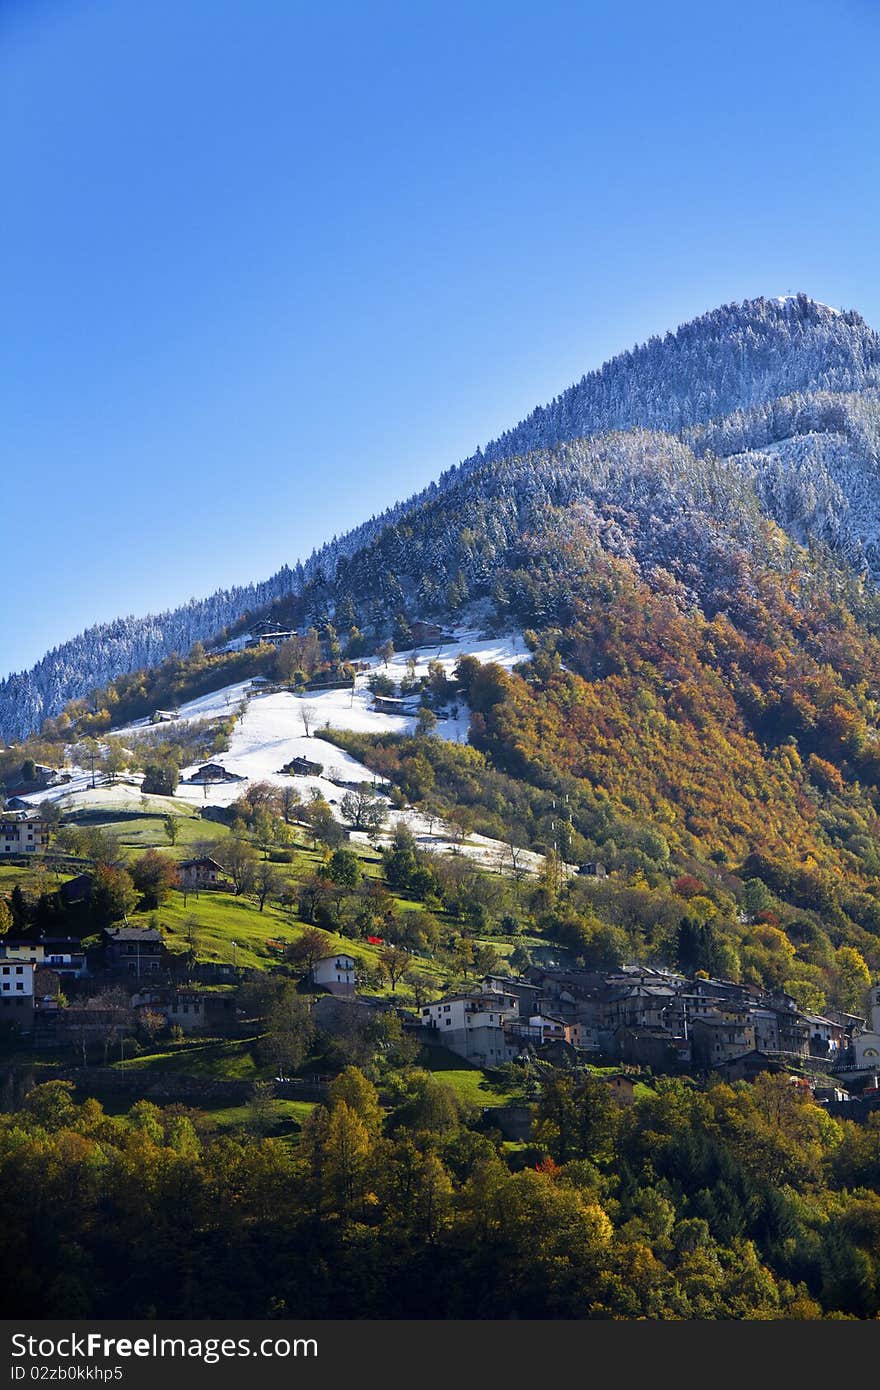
(733, 1202)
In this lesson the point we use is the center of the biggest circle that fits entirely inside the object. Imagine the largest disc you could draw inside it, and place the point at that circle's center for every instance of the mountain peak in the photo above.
(796, 298)
(737, 356)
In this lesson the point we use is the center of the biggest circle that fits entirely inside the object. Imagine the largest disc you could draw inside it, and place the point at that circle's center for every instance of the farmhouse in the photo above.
(651, 1047)
(622, 1087)
(718, 1039)
(39, 778)
(212, 772)
(525, 994)
(65, 956)
(748, 1066)
(391, 704)
(424, 632)
(205, 872)
(192, 1010)
(302, 767)
(21, 950)
(271, 633)
(76, 890)
(484, 1026)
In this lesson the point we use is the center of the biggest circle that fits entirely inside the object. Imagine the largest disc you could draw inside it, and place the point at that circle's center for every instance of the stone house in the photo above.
(134, 951)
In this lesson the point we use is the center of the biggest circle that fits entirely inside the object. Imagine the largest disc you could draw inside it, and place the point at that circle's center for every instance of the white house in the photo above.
(550, 1029)
(17, 993)
(458, 1012)
(23, 835)
(17, 980)
(866, 1045)
(335, 974)
(475, 1025)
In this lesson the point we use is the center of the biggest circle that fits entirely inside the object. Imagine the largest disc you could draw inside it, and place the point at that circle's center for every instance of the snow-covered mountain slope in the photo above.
(815, 464)
(270, 733)
(734, 358)
(734, 365)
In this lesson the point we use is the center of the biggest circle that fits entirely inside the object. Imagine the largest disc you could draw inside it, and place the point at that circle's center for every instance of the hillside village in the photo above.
(56, 990)
(70, 996)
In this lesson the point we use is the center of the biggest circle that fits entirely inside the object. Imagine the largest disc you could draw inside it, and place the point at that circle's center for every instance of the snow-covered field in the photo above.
(271, 730)
(218, 705)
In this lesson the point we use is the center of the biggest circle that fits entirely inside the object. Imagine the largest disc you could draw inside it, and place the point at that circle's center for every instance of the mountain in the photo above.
(786, 391)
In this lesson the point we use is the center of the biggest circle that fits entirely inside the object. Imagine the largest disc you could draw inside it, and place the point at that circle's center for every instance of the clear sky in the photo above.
(268, 266)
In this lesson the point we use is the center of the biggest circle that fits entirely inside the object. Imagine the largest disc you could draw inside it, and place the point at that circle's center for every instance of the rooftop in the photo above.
(151, 934)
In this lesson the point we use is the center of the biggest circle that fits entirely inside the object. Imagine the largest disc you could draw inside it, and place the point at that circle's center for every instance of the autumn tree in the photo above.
(113, 894)
(154, 876)
(310, 946)
(240, 860)
(289, 1030)
(359, 1094)
(396, 963)
(268, 882)
(853, 978)
(363, 810)
(290, 804)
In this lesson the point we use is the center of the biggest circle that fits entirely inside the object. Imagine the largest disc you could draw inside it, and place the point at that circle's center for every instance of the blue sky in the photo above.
(267, 266)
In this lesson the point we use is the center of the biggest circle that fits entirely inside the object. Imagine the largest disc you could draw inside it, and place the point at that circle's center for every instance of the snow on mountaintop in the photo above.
(793, 298)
